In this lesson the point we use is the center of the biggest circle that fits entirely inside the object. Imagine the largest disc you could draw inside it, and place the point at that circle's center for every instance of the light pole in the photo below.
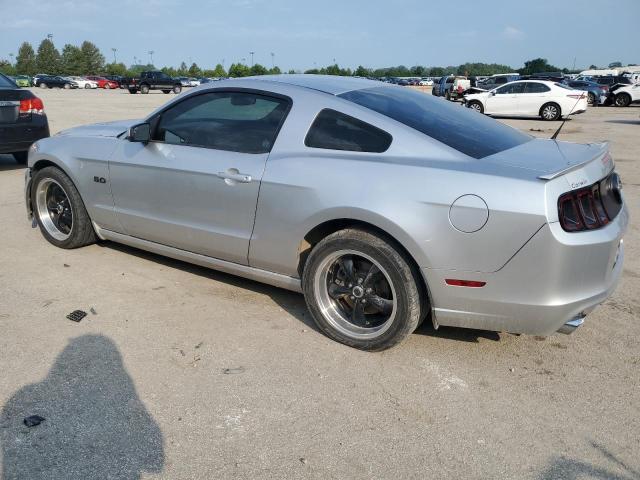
(114, 50)
(50, 36)
(151, 52)
(251, 53)
(273, 63)
(11, 58)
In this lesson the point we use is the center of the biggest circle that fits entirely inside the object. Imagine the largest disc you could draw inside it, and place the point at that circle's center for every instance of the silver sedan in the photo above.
(383, 205)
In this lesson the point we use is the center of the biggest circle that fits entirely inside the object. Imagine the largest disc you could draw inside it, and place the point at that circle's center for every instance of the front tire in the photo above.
(86, 86)
(59, 210)
(362, 290)
(44, 85)
(476, 105)
(550, 112)
(591, 99)
(177, 89)
(623, 100)
(144, 89)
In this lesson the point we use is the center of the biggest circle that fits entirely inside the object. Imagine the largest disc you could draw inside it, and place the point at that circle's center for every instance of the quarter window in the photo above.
(233, 121)
(336, 131)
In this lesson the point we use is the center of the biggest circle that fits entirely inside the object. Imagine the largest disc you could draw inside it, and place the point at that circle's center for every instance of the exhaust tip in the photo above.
(572, 325)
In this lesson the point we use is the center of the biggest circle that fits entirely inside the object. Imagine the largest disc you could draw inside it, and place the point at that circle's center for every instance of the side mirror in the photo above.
(492, 93)
(140, 133)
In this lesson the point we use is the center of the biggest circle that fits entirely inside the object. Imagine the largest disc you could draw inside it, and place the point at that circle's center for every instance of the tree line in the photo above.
(87, 59)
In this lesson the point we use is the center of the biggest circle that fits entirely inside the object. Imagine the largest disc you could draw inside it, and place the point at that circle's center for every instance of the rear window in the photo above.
(336, 131)
(6, 82)
(460, 128)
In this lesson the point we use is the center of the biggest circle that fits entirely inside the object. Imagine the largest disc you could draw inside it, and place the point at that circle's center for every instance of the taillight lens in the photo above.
(31, 106)
(590, 207)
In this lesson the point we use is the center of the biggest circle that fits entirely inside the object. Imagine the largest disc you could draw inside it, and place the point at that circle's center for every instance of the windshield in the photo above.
(460, 128)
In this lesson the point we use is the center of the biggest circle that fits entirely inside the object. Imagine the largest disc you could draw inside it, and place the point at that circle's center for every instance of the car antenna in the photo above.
(555, 135)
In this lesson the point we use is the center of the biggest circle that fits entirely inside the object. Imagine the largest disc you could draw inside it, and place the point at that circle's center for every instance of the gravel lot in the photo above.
(184, 372)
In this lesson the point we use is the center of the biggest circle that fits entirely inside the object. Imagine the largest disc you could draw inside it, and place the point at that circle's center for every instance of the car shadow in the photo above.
(563, 468)
(625, 122)
(452, 333)
(95, 425)
(7, 162)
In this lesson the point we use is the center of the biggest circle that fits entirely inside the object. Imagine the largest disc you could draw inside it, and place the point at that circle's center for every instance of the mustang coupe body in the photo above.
(383, 205)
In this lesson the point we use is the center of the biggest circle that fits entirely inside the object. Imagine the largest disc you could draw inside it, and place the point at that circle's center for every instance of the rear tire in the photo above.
(550, 112)
(70, 204)
(67, 86)
(591, 99)
(86, 86)
(362, 290)
(177, 89)
(44, 85)
(623, 100)
(21, 157)
(144, 89)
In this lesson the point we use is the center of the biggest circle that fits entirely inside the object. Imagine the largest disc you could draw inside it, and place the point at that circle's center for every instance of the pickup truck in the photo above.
(153, 80)
(451, 87)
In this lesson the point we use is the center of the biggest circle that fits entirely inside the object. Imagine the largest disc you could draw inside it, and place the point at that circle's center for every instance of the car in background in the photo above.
(115, 78)
(530, 98)
(184, 81)
(54, 81)
(83, 82)
(596, 94)
(255, 177)
(153, 80)
(452, 87)
(425, 82)
(611, 80)
(22, 119)
(495, 81)
(194, 82)
(103, 82)
(623, 96)
(23, 80)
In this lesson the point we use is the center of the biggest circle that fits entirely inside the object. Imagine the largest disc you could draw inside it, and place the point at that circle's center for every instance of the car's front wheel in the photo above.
(476, 105)
(623, 100)
(550, 111)
(591, 98)
(361, 290)
(144, 89)
(59, 210)
(177, 89)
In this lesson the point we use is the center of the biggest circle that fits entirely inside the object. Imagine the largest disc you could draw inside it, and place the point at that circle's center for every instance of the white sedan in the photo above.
(625, 96)
(83, 82)
(529, 98)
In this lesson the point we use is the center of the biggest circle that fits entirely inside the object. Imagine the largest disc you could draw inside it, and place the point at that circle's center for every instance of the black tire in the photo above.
(133, 91)
(476, 105)
(550, 112)
(623, 100)
(166, 91)
(177, 89)
(86, 85)
(81, 233)
(21, 157)
(591, 99)
(144, 89)
(404, 280)
(44, 85)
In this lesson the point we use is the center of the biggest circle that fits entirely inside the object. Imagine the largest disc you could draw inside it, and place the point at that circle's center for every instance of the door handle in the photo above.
(233, 176)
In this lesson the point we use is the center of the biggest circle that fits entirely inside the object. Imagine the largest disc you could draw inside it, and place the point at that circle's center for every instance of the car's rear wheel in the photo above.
(21, 157)
(476, 105)
(44, 85)
(67, 86)
(59, 210)
(144, 89)
(107, 86)
(550, 111)
(86, 85)
(177, 89)
(591, 98)
(361, 290)
(623, 100)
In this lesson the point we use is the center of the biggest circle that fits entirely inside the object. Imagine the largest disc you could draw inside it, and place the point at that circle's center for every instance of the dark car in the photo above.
(22, 119)
(53, 81)
(119, 79)
(596, 94)
(611, 80)
(153, 80)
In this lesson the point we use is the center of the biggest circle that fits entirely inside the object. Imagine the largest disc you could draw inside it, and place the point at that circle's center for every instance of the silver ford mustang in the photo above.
(383, 205)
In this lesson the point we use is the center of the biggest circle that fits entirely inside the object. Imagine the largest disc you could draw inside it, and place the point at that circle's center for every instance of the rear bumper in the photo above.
(18, 137)
(555, 278)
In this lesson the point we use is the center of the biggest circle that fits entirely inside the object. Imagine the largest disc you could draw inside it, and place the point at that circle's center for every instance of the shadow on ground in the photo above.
(7, 162)
(625, 122)
(563, 468)
(95, 425)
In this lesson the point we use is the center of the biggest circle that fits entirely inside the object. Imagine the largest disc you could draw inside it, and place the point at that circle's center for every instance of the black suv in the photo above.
(153, 80)
(22, 119)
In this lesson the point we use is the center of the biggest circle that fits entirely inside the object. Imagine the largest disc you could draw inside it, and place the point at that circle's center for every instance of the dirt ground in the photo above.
(179, 372)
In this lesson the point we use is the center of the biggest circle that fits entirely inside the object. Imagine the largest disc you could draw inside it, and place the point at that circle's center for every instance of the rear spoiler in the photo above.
(602, 154)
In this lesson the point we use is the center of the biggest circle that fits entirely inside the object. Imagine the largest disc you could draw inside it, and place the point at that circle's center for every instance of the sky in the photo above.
(303, 34)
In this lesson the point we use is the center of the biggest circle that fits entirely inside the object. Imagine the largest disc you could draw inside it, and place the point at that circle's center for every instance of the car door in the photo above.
(504, 100)
(195, 185)
(534, 96)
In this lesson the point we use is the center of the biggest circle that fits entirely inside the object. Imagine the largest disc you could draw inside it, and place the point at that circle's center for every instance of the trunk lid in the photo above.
(10, 104)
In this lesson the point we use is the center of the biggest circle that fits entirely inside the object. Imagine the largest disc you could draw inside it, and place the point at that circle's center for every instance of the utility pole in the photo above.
(114, 50)
(50, 36)
(151, 52)
(251, 53)
(273, 63)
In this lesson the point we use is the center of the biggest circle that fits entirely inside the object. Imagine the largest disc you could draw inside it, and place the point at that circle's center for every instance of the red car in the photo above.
(103, 82)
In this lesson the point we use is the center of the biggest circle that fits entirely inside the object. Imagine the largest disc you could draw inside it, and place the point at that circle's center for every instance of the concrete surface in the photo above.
(185, 373)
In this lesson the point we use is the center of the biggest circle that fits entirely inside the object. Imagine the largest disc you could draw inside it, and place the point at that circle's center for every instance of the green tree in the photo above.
(194, 70)
(362, 72)
(615, 64)
(115, 69)
(219, 71)
(72, 60)
(48, 58)
(182, 69)
(239, 70)
(26, 60)
(172, 72)
(275, 70)
(92, 58)
(537, 65)
(6, 67)
(258, 69)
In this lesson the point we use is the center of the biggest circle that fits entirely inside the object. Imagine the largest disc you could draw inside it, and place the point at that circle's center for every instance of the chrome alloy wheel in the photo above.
(54, 209)
(550, 112)
(355, 294)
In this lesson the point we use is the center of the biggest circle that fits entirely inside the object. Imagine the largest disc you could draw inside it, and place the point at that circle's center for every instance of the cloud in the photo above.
(512, 32)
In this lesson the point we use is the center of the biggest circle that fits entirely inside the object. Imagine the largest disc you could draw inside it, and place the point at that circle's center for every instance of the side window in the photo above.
(535, 87)
(336, 131)
(232, 121)
(500, 80)
(511, 89)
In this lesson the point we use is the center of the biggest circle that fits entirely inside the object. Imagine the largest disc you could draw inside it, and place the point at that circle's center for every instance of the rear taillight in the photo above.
(31, 106)
(590, 207)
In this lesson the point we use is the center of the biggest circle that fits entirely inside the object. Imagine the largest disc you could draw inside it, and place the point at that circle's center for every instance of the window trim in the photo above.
(306, 136)
(154, 120)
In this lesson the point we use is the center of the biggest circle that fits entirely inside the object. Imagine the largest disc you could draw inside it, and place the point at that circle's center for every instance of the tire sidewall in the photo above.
(622, 100)
(558, 115)
(177, 89)
(407, 315)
